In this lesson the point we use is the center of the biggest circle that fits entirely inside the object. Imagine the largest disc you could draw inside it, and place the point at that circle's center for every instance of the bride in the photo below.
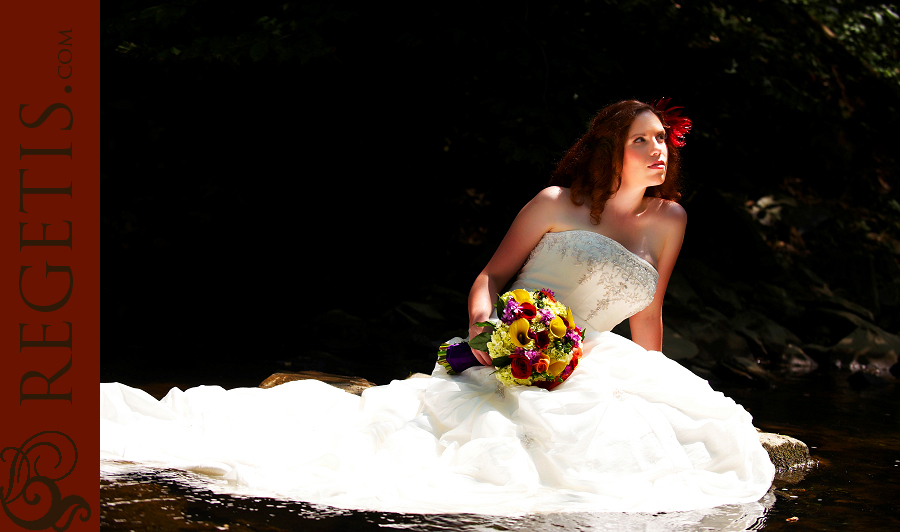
(630, 430)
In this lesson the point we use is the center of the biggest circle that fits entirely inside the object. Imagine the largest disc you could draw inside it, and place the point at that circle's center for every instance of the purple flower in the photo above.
(511, 312)
(546, 316)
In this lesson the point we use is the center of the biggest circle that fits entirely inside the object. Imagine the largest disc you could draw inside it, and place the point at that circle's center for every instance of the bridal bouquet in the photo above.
(534, 342)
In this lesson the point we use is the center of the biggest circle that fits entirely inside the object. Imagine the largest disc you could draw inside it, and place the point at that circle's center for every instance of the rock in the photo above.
(354, 385)
(796, 360)
(778, 302)
(744, 369)
(787, 454)
(824, 294)
(705, 286)
(677, 347)
(769, 337)
(862, 379)
(712, 334)
(868, 348)
(679, 292)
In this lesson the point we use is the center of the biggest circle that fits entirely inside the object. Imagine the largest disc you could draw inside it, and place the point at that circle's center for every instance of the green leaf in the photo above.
(258, 51)
(500, 362)
(480, 342)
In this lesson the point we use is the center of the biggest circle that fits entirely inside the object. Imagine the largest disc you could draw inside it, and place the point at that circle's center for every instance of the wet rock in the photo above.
(677, 347)
(787, 454)
(705, 287)
(765, 335)
(795, 360)
(862, 379)
(354, 385)
(779, 303)
(824, 295)
(712, 334)
(744, 369)
(679, 292)
(868, 348)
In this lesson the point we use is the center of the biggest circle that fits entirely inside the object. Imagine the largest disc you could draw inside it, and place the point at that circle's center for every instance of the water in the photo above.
(853, 434)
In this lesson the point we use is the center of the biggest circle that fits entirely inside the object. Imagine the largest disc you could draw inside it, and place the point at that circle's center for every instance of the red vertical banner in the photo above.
(50, 266)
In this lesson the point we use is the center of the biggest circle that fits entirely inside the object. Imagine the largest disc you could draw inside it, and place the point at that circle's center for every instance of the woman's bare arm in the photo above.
(646, 325)
(535, 219)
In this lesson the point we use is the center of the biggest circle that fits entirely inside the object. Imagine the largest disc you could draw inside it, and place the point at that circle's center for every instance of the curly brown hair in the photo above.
(592, 167)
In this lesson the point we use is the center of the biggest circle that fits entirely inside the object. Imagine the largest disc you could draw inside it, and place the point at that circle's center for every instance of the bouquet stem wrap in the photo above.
(457, 358)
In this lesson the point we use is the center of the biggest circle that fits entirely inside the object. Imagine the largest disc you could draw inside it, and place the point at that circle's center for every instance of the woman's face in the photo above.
(645, 153)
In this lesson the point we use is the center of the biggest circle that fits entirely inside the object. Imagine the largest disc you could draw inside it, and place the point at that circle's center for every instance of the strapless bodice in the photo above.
(602, 281)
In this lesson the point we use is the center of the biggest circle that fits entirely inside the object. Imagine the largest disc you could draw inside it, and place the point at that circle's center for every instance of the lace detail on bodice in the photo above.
(600, 279)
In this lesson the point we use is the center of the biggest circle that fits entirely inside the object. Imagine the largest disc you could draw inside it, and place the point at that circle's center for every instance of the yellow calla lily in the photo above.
(522, 296)
(557, 327)
(518, 332)
(557, 367)
(570, 320)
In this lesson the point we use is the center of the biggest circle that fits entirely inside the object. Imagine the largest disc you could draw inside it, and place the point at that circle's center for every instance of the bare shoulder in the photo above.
(668, 215)
(670, 210)
(549, 202)
(553, 195)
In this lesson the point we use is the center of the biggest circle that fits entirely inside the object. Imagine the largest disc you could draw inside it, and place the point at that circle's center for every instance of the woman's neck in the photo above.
(626, 203)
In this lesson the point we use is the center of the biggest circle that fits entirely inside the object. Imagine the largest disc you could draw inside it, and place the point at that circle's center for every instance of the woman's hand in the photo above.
(482, 357)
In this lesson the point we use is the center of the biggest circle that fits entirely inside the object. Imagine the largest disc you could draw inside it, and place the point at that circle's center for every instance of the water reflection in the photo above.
(197, 502)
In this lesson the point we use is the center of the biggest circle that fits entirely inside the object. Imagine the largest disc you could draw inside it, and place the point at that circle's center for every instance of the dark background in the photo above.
(319, 182)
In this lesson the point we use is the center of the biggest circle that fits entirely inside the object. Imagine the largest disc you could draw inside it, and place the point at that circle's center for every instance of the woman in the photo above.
(621, 168)
(630, 430)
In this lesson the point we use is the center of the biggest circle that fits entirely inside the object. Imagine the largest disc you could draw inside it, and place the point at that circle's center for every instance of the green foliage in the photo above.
(503, 90)
(869, 32)
(209, 31)
(526, 80)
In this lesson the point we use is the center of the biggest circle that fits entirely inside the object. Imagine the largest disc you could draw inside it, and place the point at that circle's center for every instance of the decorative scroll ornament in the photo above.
(30, 497)
(678, 125)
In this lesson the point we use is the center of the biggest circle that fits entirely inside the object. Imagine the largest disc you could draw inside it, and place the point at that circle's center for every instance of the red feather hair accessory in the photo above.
(678, 125)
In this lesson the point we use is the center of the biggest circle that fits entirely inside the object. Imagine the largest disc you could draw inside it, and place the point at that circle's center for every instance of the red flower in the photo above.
(527, 311)
(678, 125)
(548, 294)
(541, 338)
(520, 366)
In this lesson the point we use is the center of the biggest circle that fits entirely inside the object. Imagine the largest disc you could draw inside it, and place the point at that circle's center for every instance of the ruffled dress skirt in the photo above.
(630, 430)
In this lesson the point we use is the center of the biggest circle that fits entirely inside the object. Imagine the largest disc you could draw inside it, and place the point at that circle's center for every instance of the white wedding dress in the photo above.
(630, 430)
